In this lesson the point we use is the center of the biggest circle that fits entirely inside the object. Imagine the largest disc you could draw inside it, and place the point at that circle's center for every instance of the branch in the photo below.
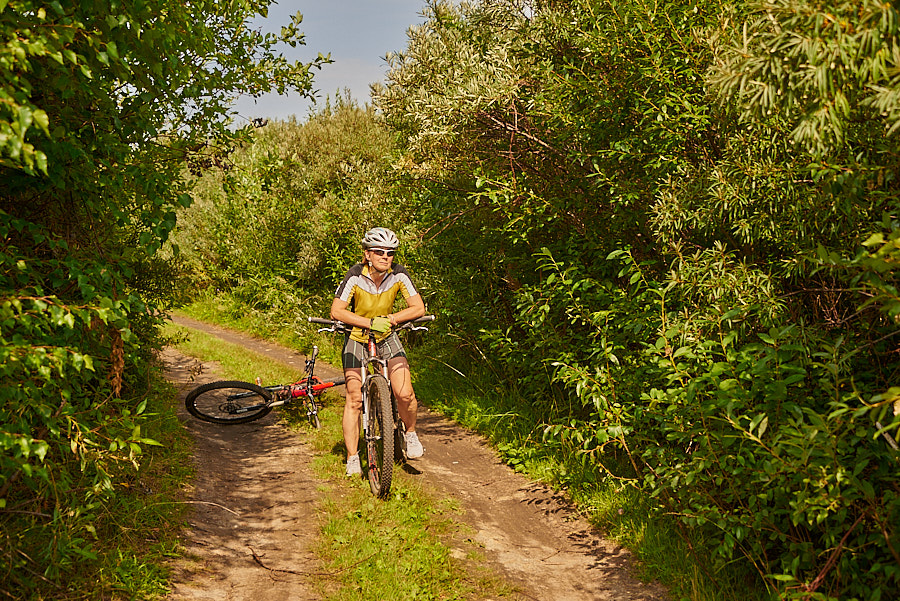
(257, 559)
(451, 218)
(811, 587)
(197, 503)
(517, 130)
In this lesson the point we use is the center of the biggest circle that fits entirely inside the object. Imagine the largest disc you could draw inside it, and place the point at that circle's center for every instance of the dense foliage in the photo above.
(683, 226)
(102, 105)
(279, 222)
(671, 226)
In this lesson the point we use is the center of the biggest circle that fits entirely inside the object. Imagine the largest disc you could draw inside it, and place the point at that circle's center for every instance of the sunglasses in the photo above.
(382, 252)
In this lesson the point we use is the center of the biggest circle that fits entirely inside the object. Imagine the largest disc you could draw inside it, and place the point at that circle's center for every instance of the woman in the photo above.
(365, 300)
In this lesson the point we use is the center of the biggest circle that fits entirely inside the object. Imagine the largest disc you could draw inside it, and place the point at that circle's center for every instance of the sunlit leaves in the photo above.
(680, 270)
(101, 105)
(463, 62)
(829, 66)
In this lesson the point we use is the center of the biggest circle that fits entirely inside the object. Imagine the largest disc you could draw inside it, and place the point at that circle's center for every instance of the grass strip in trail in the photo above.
(407, 547)
(293, 332)
(237, 362)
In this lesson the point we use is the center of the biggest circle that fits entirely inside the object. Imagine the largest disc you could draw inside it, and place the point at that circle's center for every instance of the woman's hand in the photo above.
(381, 324)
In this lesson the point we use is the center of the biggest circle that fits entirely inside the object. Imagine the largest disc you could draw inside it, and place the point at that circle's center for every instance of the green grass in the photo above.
(410, 546)
(295, 333)
(236, 362)
(150, 515)
(391, 549)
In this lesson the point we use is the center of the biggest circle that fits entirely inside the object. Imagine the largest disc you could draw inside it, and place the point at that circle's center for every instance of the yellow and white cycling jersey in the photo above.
(367, 299)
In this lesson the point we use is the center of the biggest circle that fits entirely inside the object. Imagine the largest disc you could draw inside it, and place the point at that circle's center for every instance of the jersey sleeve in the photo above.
(407, 288)
(346, 288)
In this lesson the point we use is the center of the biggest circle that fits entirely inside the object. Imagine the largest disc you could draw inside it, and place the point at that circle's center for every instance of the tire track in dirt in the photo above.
(253, 505)
(527, 532)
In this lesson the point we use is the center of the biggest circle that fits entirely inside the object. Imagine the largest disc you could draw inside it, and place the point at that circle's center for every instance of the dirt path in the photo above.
(529, 533)
(253, 497)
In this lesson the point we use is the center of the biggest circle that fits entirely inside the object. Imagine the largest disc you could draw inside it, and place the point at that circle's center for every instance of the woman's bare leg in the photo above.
(352, 410)
(401, 383)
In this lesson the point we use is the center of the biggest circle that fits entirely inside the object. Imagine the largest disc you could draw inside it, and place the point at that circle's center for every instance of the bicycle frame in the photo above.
(310, 386)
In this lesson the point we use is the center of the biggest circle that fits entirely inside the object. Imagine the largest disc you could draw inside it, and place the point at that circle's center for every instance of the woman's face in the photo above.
(380, 258)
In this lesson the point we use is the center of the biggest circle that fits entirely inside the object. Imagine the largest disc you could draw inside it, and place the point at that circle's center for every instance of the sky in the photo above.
(357, 33)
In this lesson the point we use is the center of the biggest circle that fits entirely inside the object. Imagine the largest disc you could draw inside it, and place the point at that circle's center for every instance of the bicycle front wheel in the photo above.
(228, 402)
(380, 436)
(312, 412)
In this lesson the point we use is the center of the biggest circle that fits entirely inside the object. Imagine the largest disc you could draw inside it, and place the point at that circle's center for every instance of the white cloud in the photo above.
(357, 33)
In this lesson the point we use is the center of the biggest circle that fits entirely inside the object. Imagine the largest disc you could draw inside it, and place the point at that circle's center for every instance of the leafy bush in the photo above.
(72, 374)
(291, 207)
(102, 106)
(700, 278)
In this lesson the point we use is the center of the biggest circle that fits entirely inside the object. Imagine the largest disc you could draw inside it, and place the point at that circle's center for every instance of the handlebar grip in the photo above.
(327, 322)
(424, 319)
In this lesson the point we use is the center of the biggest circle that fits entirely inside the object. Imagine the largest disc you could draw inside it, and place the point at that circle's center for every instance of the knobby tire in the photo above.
(380, 439)
(222, 402)
(312, 413)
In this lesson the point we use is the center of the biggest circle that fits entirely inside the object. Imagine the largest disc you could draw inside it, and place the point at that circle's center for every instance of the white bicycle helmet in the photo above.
(380, 237)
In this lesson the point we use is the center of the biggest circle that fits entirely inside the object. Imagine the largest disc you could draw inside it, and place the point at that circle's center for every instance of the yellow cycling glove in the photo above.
(381, 324)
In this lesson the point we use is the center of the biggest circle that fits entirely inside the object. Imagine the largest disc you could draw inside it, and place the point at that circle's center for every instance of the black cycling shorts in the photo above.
(355, 352)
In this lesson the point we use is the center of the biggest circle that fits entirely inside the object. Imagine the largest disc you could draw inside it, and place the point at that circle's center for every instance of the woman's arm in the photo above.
(415, 308)
(340, 312)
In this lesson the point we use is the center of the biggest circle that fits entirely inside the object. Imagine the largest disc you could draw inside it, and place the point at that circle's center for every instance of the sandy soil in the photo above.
(254, 502)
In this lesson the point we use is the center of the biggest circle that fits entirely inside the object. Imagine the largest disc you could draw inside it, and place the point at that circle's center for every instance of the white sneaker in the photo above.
(353, 467)
(414, 448)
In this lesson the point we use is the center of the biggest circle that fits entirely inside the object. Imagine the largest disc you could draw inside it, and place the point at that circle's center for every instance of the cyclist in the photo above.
(365, 300)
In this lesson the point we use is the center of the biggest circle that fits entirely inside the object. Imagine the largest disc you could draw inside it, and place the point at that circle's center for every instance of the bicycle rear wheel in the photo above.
(228, 402)
(380, 436)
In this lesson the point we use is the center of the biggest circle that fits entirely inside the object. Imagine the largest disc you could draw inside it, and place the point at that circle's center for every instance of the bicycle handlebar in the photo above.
(339, 326)
(329, 322)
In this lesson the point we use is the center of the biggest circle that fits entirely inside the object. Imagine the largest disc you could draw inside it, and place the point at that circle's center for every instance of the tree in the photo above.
(684, 253)
(280, 222)
(102, 106)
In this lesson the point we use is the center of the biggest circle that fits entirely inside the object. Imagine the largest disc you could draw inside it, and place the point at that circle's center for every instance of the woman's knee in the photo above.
(353, 398)
(353, 395)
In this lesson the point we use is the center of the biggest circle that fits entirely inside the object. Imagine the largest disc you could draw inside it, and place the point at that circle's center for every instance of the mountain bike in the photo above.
(235, 402)
(383, 430)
